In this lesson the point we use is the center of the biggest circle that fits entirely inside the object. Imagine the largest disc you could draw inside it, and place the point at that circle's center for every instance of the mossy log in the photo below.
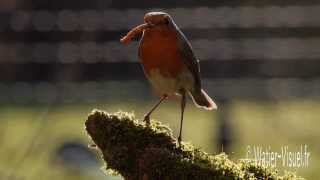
(140, 152)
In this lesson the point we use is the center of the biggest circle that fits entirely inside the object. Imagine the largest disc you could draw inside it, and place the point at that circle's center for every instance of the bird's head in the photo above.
(157, 18)
(151, 20)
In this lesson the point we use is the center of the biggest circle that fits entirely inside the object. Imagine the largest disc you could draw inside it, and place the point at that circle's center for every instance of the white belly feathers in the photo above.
(171, 85)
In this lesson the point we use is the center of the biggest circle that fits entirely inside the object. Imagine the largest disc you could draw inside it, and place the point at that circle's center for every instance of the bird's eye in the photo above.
(166, 21)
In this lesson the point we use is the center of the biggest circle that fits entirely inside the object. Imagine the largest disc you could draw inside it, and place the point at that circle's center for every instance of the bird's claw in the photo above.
(146, 119)
(179, 141)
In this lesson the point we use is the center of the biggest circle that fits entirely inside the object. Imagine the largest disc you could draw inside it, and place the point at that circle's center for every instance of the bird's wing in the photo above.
(189, 57)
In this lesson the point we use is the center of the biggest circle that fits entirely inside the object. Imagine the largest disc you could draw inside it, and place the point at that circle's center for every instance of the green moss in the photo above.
(137, 151)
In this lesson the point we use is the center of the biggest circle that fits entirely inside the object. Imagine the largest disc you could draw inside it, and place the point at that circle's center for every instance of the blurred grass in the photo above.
(271, 123)
(290, 123)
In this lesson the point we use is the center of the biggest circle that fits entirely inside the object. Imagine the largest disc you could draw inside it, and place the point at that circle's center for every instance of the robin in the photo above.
(169, 63)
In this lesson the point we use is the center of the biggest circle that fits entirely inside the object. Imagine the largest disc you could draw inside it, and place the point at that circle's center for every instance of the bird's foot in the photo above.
(146, 119)
(179, 141)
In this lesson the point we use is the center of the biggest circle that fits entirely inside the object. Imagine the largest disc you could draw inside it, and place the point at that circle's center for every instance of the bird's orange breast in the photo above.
(159, 50)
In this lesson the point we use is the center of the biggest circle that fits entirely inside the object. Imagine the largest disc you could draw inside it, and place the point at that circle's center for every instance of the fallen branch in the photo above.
(139, 152)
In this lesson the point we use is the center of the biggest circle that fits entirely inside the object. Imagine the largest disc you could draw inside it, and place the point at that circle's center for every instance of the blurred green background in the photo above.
(59, 60)
(31, 136)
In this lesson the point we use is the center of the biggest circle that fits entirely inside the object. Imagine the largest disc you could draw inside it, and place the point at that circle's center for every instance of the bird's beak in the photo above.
(138, 29)
(150, 25)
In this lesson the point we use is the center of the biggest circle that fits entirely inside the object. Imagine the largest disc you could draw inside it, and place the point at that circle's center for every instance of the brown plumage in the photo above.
(169, 62)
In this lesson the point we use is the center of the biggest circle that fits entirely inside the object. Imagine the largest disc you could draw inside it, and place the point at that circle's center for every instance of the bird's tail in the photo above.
(201, 99)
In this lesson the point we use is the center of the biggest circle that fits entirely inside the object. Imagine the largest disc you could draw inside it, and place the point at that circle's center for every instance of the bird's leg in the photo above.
(183, 105)
(147, 116)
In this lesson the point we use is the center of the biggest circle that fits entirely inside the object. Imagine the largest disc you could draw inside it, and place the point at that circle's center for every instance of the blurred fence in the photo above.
(262, 49)
(103, 91)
